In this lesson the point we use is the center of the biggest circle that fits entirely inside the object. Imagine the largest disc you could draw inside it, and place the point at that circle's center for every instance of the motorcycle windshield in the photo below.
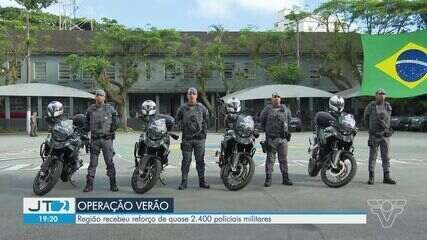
(245, 126)
(62, 130)
(157, 129)
(347, 122)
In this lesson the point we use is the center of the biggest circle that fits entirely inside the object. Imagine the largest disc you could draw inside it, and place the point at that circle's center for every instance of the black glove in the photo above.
(263, 146)
(288, 136)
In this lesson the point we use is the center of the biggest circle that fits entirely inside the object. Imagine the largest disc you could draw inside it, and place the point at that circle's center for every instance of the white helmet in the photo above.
(232, 105)
(148, 107)
(336, 104)
(55, 109)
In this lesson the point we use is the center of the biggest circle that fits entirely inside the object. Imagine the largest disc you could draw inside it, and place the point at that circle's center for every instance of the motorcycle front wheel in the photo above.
(342, 175)
(142, 183)
(41, 186)
(238, 179)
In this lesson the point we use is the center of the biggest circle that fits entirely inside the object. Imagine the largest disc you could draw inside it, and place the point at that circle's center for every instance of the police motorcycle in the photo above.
(331, 146)
(238, 148)
(60, 151)
(152, 150)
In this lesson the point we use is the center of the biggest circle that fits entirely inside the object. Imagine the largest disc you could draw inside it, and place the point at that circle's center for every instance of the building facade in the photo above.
(161, 83)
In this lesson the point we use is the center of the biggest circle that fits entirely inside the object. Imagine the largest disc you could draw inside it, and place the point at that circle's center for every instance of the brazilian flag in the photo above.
(396, 63)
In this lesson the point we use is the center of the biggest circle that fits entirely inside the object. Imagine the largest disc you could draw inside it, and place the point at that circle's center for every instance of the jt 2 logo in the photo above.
(51, 206)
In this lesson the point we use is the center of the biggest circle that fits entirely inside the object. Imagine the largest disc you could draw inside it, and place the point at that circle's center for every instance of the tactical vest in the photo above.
(379, 119)
(277, 122)
(193, 121)
(101, 120)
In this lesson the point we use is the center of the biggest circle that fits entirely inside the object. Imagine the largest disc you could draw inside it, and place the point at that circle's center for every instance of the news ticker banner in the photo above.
(161, 211)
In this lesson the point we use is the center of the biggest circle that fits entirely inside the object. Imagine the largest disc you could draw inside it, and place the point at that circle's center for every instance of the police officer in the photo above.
(193, 117)
(377, 117)
(275, 119)
(102, 120)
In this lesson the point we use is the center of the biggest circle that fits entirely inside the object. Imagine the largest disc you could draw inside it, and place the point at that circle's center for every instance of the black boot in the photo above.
(183, 184)
(286, 180)
(388, 179)
(371, 178)
(203, 183)
(89, 185)
(113, 184)
(267, 180)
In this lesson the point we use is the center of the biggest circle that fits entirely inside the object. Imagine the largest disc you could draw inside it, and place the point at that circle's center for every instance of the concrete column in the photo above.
(158, 101)
(40, 106)
(310, 106)
(7, 112)
(71, 106)
(7, 108)
(213, 102)
(181, 98)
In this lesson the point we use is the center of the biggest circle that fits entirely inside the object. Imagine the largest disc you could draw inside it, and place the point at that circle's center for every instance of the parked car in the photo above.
(399, 122)
(418, 123)
(296, 124)
(403, 123)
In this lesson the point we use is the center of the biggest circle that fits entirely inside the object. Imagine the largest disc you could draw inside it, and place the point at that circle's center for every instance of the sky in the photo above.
(184, 15)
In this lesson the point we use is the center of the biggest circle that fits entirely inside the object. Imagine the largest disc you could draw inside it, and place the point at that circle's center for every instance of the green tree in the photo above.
(123, 50)
(269, 50)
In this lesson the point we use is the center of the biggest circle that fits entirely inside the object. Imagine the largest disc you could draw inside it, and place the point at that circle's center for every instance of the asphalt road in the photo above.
(19, 163)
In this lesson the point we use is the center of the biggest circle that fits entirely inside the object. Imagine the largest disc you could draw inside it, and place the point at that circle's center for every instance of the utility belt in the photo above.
(286, 135)
(103, 136)
(197, 136)
(264, 144)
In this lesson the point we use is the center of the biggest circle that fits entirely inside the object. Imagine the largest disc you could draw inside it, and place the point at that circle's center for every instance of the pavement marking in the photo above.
(171, 167)
(35, 168)
(300, 163)
(16, 167)
(16, 158)
(5, 166)
(398, 161)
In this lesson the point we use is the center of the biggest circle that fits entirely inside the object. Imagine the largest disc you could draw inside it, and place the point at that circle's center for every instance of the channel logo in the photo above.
(49, 206)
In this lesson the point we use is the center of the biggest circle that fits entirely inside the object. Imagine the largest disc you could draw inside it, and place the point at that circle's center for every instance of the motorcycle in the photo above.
(237, 151)
(337, 166)
(151, 156)
(59, 152)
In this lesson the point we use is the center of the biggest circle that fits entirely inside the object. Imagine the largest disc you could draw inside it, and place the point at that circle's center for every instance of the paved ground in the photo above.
(19, 163)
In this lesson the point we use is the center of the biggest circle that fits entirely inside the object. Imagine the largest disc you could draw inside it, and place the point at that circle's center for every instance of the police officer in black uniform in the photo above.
(193, 117)
(102, 120)
(377, 117)
(275, 119)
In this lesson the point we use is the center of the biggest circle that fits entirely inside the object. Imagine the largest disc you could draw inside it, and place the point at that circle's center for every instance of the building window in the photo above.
(170, 71)
(188, 72)
(39, 73)
(148, 71)
(249, 71)
(229, 71)
(64, 72)
(315, 76)
(111, 73)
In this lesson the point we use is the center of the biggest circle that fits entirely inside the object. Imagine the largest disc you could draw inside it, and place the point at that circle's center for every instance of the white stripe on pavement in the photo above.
(5, 166)
(16, 167)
